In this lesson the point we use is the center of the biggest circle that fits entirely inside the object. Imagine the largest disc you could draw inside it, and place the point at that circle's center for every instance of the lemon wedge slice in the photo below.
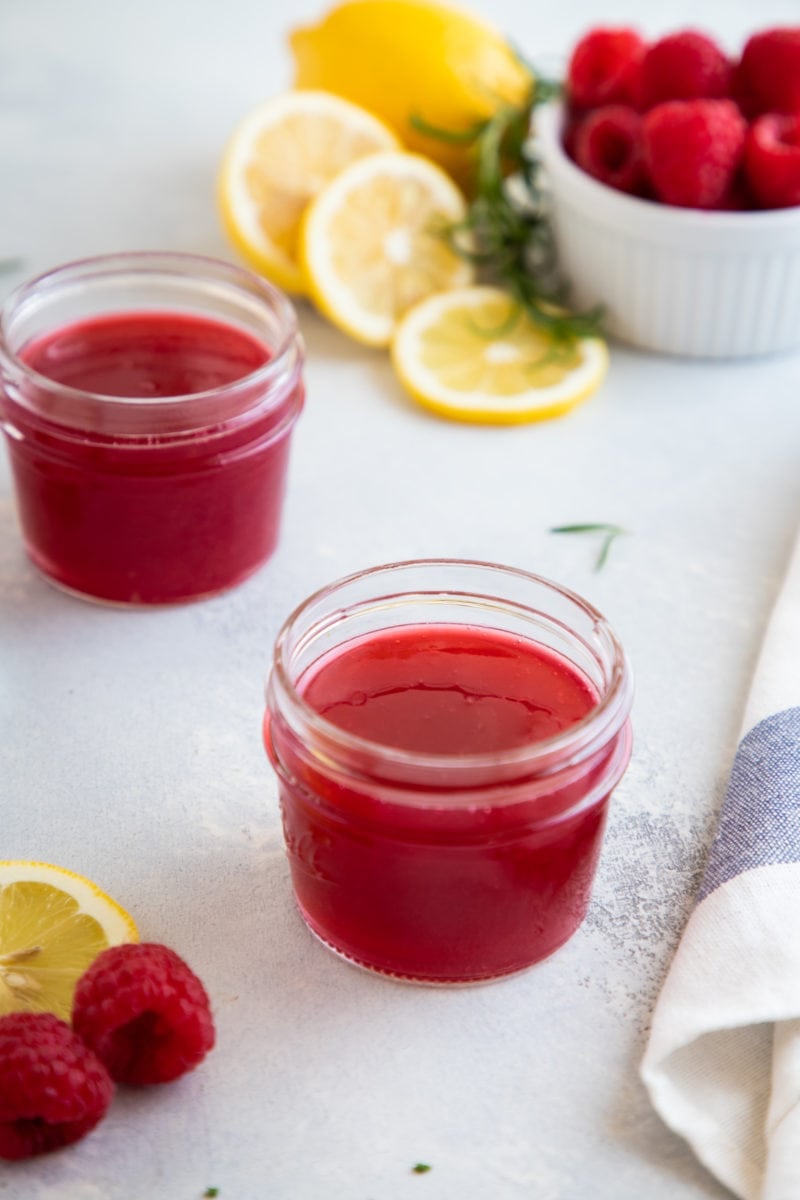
(372, 242)
(53, 924)
(278, 158)
(472, 354)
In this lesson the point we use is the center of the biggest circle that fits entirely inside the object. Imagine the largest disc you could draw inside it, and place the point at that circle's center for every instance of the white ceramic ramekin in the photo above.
(674, 280)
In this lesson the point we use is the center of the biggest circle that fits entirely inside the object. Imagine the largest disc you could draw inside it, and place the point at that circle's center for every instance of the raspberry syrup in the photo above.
(393, 866)
(181, 508)
(147, 355)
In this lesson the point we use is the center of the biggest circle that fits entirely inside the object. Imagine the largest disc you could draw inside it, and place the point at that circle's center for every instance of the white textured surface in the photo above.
(130, 741)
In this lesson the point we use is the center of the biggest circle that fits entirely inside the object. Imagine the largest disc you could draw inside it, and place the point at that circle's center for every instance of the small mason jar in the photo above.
(453, 835)
(148, 401)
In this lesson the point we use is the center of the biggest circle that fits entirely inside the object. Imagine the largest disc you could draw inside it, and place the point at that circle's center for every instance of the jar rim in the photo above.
(600, 724)
(142, 263)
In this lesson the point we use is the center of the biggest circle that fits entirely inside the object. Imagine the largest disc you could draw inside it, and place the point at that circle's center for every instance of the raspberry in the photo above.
(684, 66)
(772, 160)
(604, 68)
(739, 198)
(692, 150)
(144, 1013)
(569, 134)
(768, 74)
(53, 1089)
(608, 145)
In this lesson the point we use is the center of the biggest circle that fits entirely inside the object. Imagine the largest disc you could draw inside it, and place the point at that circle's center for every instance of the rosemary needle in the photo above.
(507, 231)
(610, 532)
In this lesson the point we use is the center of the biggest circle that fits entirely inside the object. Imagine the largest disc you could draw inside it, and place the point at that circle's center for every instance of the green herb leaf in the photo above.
(611, 532)
(456, 137)
(507, 232)
(593, 527)
(210, 1192)
(421, 1168)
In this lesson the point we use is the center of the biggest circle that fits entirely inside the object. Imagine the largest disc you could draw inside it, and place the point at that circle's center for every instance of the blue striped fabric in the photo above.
(760, 820)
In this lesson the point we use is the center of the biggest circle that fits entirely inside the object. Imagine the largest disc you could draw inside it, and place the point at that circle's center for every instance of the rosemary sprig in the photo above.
(611, 532)
(507, 232)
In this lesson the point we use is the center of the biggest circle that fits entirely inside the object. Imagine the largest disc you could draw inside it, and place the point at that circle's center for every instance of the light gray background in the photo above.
(129, 741)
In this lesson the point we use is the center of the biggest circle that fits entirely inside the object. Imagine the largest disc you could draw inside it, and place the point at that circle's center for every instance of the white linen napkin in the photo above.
(722, 1064)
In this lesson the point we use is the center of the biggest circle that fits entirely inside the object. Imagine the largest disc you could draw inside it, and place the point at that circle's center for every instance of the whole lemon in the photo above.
(405, 58)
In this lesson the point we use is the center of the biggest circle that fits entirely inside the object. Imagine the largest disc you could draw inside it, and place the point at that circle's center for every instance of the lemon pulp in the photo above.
(279, 157)
(372, 242)
(53, 924)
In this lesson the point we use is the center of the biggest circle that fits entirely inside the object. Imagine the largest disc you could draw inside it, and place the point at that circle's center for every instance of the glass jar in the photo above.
(148, 401)
(436, 852)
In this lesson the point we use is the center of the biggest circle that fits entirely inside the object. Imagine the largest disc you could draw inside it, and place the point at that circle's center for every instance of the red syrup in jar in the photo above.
(148, 355)
(394, 867)
(189, 504)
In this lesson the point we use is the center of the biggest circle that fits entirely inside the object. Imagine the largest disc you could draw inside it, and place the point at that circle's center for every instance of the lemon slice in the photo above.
(474, 355)
(53, 924)
(372, 242)
(277, 159)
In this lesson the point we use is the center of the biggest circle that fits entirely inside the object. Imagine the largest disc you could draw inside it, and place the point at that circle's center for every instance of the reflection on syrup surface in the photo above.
(447, 689)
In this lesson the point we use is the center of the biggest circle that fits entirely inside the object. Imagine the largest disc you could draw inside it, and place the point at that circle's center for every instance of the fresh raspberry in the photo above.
(768, 74)
(53, 1089)
(604, 68)
(145, 1014)
(739, 197)
(684, 66)
(569, 134)
(692, 150)
(608, 145)
(772, 160)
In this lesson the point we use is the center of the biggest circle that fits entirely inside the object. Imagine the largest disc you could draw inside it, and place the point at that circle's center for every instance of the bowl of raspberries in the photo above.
(674, 169)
